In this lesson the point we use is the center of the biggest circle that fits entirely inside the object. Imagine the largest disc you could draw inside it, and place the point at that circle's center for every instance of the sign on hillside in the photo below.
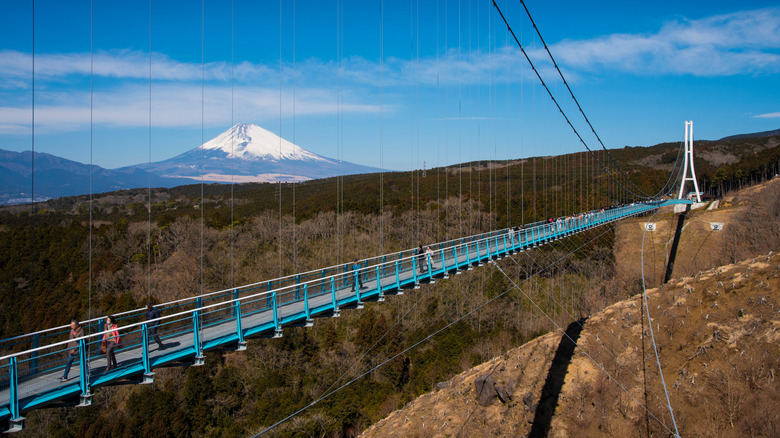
(716, 226)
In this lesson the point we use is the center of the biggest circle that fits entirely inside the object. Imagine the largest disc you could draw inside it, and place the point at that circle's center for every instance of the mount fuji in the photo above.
(249, 153)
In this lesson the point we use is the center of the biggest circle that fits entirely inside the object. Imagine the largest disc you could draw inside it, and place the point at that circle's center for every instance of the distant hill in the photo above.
(56, 177)
(752, 135)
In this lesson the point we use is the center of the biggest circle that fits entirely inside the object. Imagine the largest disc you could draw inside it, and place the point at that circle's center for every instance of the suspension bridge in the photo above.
(225, 319)
(31, 364)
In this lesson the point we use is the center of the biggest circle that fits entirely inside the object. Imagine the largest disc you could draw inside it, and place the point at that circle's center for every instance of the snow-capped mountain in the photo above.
(243, 153)
(252, 143)
(249, 153)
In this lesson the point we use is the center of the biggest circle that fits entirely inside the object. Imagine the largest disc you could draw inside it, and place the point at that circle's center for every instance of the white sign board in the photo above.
(649, 226)
(716, 226)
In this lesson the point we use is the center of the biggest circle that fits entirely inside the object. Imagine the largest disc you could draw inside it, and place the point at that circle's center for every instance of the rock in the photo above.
(503, 395)
(510, 387)
(442, 385)
(486, 389)
(528, 400)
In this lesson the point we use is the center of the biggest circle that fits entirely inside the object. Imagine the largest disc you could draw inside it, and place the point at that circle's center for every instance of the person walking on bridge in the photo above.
(110, 342)
(152, 314)
(420, 253)
(73, 346)
(356, 281)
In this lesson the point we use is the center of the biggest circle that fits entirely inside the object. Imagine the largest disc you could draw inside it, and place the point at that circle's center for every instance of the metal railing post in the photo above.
(306, 302)
(333, 297)
(457, 260)
(277, 325)
(239, 326)
(148, 374)
(444, 264)
(86, 396)
(17, 421)
(414, 270)
(199, 358)
(36, 341)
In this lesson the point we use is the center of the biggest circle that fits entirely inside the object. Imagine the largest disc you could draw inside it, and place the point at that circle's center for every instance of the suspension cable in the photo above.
(281, 273)
(149, 223)
(232, 140)
(555, 101)
(652, 335)
(91, 138)
(575, 99)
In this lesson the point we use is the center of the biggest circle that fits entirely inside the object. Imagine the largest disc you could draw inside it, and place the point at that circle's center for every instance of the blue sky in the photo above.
(451, 85)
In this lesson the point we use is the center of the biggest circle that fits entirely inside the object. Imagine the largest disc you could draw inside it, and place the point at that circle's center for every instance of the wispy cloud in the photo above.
(768, 116)
(744, 42)
(173, 105)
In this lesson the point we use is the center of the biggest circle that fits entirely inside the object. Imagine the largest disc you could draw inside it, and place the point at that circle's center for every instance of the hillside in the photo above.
(718, 339)
(717, 336)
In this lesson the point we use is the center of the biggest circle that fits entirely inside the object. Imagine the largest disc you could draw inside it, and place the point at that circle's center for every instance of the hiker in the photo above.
(420, 253)
(356, 270)
(110, 342)
(152, 313)
(73, 346)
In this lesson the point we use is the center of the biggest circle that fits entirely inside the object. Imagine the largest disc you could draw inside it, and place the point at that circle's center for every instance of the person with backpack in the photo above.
(73, 346)
(111, 340)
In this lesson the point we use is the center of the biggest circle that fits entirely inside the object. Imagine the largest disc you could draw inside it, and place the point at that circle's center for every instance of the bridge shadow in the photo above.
(675, 244)
(555, 377)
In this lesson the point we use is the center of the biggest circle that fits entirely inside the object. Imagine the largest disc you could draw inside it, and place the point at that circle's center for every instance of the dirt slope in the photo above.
(717, 335)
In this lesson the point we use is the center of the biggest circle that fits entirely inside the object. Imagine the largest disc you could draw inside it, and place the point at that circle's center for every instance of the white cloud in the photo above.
(744, 42)
(173, 105)
(768, 116)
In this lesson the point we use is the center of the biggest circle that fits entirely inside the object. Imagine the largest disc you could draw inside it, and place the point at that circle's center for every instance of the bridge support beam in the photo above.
(277, 323)
(148, 376)
(309, 322)
(85, 399)
(241, 346)
(336, 312)
(414, 272)
(16, 423)
(381, 296)
(200, 359)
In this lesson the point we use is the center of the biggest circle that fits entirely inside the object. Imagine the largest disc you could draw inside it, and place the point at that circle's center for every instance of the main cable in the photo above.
(555, 101)
(575, 99)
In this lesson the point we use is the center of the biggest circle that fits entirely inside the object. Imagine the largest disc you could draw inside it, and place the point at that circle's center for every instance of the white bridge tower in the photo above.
(689, 163)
